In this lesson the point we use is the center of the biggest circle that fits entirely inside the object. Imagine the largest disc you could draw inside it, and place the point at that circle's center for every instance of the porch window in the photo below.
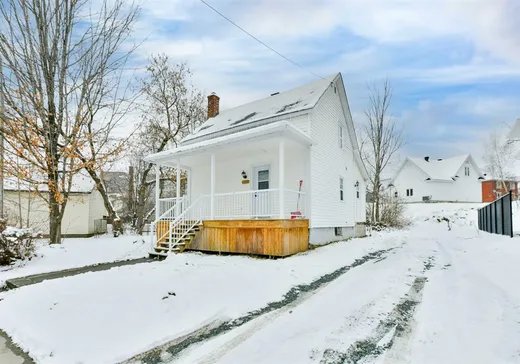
(340, 137)
(341, 189)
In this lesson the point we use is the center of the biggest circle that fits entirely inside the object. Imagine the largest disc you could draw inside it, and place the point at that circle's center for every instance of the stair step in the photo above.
(166, 248)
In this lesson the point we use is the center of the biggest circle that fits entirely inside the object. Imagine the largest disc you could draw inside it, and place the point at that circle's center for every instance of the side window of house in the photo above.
(340, 136)
(341, 189)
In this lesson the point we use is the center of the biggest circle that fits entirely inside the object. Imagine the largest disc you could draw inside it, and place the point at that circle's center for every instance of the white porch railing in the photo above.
(171, 207)
(255, 204)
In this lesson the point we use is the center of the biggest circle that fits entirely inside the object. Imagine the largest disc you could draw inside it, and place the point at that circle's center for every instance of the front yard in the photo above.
(423, 295)
(77, 252)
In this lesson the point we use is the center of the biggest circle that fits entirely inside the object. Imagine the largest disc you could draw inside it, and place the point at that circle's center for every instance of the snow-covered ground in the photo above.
(77, 252)
(437, 296)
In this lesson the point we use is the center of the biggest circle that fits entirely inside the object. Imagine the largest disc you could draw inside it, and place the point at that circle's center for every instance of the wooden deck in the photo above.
(278, 238)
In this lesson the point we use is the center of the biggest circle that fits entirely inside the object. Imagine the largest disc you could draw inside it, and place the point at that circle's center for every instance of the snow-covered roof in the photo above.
(443, 169)
(514, 133)
(278, 104)
(280, 127)
(81, 183)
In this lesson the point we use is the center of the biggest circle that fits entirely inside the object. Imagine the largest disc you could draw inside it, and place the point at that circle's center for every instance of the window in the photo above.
(341, 189)
(357, 194)
(409, 192)
(466, 171)
(396, 194)
(337, 231)
(340, 137)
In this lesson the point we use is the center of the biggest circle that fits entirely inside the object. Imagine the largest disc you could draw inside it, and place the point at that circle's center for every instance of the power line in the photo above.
(259, 41)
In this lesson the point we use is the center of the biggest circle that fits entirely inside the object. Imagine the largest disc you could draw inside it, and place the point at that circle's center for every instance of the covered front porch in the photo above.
(248, 177)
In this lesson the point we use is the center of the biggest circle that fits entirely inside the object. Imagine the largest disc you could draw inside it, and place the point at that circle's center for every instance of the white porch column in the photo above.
(157, 191)
(178, 186)
(212, 188)
(281, 176)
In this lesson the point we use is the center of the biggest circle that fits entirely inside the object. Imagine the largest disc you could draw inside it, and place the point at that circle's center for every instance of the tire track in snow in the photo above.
(393, 333)
(295, 296)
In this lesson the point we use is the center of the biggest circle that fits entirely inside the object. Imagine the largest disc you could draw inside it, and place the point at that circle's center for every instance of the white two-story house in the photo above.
(267, 177)
(455, 179)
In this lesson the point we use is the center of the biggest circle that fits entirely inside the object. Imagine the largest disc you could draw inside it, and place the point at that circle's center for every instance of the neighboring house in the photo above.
(267, 176)
(493, 189)
(84, 213)
(456, 179)
(514, 133)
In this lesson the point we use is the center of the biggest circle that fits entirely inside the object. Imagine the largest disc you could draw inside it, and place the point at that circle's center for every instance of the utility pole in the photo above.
(2, 113)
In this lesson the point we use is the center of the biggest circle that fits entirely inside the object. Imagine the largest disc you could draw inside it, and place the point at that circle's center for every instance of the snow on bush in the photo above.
(15, 244)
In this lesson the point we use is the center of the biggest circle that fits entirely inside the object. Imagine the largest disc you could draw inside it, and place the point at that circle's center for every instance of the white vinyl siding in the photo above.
(327, 162)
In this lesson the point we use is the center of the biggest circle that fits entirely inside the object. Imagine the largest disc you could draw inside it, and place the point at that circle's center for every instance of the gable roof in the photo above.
(514, 133)
(277, 105)
(442, 169)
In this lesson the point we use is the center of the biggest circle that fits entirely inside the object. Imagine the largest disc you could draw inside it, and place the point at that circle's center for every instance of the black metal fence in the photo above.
(497, 217)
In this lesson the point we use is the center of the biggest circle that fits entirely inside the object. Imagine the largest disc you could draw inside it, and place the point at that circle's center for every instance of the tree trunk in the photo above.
(54, 220)
(141, 197)
(112, 214)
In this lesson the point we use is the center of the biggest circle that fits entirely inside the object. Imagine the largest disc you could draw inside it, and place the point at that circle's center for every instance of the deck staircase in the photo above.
(181, 239)
(175, 233)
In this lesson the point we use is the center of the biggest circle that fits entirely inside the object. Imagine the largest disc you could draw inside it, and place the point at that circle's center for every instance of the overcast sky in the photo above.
(454, 64)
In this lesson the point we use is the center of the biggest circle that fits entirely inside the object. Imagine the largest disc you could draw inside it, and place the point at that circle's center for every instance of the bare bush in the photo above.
(391, 214)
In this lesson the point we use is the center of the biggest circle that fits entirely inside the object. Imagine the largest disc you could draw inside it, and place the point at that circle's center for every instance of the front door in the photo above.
(261, 198)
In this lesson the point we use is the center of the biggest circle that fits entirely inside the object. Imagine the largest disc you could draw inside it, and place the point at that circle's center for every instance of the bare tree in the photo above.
(173, 108)
(499, 156)
(59, 61)
(381, 139)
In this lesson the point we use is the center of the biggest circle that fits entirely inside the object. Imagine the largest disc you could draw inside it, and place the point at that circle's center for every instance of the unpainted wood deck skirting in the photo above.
(278, 238)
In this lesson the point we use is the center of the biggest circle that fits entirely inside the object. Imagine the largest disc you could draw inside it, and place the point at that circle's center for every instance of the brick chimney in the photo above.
(213, 105)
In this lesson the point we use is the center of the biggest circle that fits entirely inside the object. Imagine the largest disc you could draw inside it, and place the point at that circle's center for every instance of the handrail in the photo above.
(174, 223)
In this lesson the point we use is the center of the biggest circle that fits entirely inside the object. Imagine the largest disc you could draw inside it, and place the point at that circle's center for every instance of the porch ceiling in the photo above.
(249, 141)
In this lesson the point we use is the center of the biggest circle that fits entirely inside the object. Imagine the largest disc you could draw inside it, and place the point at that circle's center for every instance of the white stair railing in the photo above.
(168, 215)
(185, 222)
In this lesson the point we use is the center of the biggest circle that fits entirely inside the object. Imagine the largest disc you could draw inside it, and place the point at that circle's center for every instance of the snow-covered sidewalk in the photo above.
(77, 252)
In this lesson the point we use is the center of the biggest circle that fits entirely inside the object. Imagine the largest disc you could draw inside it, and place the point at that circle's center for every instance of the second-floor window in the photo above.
(466, 171)
(341, 189)
(409, 192)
